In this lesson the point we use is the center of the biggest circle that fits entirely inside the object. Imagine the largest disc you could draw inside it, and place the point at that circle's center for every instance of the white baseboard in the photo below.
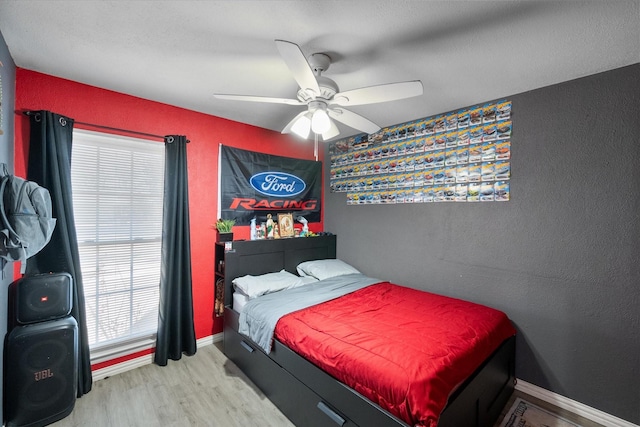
(147, 359)
(577, 408)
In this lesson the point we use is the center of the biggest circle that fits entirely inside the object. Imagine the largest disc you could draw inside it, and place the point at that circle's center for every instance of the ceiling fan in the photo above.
(323, 98)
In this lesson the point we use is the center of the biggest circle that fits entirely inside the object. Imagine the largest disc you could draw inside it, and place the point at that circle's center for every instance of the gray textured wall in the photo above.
(8, 75)
(561, 258)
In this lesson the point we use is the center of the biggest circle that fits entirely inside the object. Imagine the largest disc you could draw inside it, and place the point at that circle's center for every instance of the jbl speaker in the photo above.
(39, 298)
(40, 372)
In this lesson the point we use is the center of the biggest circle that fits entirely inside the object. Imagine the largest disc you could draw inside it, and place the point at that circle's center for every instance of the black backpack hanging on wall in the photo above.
(26, 221)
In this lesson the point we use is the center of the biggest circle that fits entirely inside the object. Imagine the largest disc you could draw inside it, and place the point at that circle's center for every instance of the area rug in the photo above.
(525, 414)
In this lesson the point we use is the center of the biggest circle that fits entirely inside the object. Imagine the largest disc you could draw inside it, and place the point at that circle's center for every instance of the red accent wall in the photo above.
(84, 103)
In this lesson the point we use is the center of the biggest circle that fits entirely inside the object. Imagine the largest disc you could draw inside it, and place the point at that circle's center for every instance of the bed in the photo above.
(309, 390)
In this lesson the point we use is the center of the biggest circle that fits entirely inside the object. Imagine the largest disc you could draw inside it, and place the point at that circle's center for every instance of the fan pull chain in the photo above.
(315, 146)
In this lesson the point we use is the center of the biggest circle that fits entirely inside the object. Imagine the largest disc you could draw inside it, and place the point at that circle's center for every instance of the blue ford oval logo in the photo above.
(278, 184)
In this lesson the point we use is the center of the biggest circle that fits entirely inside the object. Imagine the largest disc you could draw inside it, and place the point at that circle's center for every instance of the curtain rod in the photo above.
(133, 132)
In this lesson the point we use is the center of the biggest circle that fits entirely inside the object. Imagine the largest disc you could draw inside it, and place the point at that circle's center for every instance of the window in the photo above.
(117, 185)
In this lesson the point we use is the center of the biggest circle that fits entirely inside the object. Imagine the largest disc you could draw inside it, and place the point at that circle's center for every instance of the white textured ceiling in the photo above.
(181, 52)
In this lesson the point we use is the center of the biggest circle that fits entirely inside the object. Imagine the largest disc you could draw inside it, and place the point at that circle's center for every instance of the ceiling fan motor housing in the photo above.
(328, 88)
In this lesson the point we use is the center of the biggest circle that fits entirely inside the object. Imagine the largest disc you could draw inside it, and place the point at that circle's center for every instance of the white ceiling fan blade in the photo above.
(252, 98)
(333, 131)
(297, 63)
(379, 93)
(353, 120)
(287, 128)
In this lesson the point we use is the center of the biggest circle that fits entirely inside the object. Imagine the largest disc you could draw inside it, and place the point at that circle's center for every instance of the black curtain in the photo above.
(176, 333)
(50, 166)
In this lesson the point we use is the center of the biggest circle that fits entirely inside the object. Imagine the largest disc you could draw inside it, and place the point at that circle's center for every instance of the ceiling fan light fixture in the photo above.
(331, 133)
(320, 121)
(302, 127)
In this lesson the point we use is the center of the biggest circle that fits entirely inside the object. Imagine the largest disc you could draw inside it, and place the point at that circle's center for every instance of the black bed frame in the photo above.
(308, 396)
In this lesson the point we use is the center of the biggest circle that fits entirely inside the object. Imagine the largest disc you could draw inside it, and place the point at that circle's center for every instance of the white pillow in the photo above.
(305, 280)
(255, 286)
(325, 268)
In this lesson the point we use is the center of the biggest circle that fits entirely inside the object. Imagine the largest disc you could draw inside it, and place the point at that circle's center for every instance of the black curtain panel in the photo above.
(50, 166)
(176, 333)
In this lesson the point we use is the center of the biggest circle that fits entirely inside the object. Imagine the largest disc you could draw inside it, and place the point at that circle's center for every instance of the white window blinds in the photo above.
(117, 185)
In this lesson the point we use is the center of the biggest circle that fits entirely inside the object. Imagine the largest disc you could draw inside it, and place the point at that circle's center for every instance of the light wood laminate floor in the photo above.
(202, 390)
(205, 389)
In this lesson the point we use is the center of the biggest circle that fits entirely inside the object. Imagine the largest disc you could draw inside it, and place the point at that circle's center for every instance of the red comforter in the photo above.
(404, 349)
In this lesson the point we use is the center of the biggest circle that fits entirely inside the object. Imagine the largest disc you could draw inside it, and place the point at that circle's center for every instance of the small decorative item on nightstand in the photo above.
(269, 226)
(305, 226)
(225, 229)
(253, 229)
(286, 224)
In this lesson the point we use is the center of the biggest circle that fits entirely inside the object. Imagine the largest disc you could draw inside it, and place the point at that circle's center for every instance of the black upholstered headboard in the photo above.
(256, 257)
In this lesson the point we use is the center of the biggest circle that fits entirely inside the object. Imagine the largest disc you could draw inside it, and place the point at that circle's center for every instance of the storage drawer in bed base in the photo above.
(296, 401)
(358, 408)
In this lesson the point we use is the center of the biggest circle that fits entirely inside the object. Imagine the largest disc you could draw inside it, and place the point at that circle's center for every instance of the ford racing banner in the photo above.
(256, 184)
